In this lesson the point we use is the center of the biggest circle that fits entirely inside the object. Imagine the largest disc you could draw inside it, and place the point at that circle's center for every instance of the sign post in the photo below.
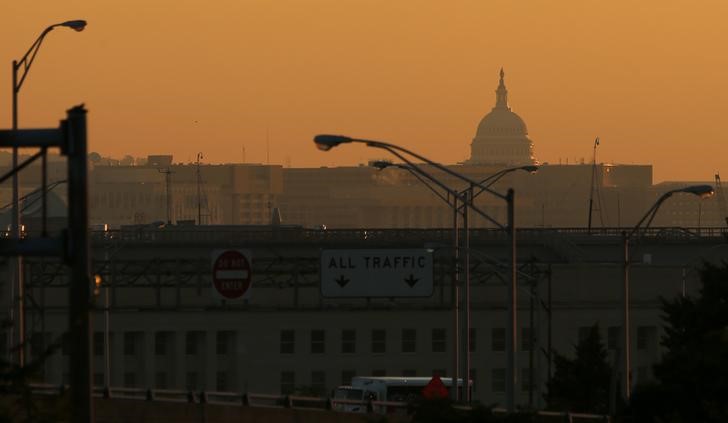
(231, 274)
(376, 273)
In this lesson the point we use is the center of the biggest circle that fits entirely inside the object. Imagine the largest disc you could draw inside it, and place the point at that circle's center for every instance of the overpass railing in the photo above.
(298, 234)
(287, 401)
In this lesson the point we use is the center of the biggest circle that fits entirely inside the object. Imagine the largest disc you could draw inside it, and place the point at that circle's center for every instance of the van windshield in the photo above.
(349, 394)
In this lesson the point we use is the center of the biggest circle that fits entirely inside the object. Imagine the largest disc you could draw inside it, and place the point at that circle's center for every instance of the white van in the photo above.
(363, 389)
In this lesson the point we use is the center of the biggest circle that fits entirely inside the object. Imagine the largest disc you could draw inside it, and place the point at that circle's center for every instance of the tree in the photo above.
(581, 384)
(692, 376)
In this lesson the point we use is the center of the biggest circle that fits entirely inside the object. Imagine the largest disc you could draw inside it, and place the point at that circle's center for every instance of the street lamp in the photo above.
(24, 65)
(327, 142)
(702, 191)
(492, 179)
(467, 199)
(423, 177)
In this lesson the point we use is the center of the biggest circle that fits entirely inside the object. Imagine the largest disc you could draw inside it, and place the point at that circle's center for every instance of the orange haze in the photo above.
(184, 76)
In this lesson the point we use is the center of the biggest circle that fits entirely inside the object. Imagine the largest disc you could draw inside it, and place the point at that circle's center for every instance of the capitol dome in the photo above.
(502, 136)
(501, 122)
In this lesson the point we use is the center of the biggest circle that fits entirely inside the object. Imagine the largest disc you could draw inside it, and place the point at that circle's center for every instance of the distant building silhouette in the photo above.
(502, 136)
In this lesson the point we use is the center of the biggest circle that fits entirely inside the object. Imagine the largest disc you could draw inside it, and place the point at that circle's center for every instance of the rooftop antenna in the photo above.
(594, 188)
(168, 183)
(199, 189)
(720, 198)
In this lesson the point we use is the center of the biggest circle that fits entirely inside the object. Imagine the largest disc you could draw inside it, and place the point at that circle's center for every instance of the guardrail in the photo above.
(299, 234)
(251, 399)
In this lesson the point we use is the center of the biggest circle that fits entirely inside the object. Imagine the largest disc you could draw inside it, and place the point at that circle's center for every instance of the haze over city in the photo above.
(263, 77)
(363, 210)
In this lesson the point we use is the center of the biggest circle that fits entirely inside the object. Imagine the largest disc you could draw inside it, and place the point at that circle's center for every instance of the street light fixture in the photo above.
(25, 62)
(702, 191)
(327, 142)
(468, 202)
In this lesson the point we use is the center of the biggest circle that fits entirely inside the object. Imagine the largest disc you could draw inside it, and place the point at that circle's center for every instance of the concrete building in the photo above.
(219, 194)
(168, 330)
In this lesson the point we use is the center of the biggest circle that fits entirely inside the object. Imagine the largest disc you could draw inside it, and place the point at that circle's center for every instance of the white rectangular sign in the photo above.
(376, 273)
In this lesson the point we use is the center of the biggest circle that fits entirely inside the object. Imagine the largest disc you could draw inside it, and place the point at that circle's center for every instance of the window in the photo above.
(130, 343)
(409, 373)
(160, 342)
(347, 376)
(318, 382)
(191, 380)
(409, 340)
(379, 372)
(221, 382)
(525, 379)
(642, 374)
(498, 380)
(288, 382)
(98, 343)
(37, 344)
(498, 339)
(526, 340)
(98, 379)
(438, 340)
(472, 340)
(65, 343)
(129, 380)
(646, 336)
(192, 340)
(584, 332)
(288, 341)
(613, 337)
(318, 342)
(379, 341)
(348, 341)
(160, 380)
(224, 342)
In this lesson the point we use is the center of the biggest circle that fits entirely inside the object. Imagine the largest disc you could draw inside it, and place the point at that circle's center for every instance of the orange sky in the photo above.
(182, 76)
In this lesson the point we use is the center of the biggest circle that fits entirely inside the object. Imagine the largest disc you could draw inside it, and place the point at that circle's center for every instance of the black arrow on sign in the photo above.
(411, 281)
(342, 281)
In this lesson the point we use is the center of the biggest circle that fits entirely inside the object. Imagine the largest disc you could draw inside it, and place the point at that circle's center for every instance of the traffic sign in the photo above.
(231, 274)
(376, 273)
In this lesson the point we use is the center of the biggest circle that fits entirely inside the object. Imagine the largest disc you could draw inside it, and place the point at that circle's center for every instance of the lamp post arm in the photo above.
(27, 60)
(427, 184)
(414, 168)
(492, 179)
(650, 215)
(419, 173)
(390, 147)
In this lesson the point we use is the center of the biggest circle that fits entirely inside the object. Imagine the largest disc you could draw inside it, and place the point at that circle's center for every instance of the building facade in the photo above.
(168, 330)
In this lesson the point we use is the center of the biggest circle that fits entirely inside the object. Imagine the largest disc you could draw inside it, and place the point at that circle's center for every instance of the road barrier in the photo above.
(250, 399)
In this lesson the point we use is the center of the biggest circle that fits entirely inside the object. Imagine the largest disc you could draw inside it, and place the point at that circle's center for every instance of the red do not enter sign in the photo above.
(231, 273)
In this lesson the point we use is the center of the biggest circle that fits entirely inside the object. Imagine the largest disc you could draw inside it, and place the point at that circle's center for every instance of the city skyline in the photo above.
(643, 78)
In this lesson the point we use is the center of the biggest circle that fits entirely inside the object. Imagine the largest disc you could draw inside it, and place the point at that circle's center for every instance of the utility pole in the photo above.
(168, 182)
(199, 190)
(592, 187)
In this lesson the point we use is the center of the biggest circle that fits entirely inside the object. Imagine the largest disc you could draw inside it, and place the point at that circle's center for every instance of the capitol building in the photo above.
(502, 136)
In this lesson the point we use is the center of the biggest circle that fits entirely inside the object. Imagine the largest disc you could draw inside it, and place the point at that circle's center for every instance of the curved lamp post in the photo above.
(702, 191)
(24, 65)
(466, 198)
(327, 142)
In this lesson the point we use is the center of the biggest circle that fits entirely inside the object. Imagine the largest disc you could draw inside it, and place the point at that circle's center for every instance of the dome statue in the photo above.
(502, 136)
